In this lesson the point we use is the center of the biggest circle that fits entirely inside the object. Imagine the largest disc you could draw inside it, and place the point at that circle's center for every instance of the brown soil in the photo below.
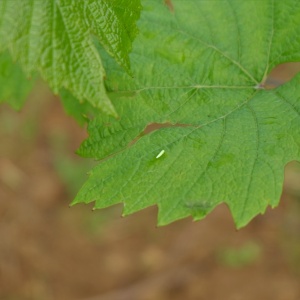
(49, 251)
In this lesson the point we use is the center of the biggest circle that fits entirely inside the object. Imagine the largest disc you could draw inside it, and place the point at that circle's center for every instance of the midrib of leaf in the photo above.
(197, 86)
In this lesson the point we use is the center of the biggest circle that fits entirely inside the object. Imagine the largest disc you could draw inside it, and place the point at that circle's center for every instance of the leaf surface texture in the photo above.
(56, 38)
(197, 71)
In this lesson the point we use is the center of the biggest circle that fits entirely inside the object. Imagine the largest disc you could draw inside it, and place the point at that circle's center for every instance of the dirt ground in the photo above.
(50, 251)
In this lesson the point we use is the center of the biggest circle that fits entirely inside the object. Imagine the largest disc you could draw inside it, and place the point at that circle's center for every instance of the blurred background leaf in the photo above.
(14, 86)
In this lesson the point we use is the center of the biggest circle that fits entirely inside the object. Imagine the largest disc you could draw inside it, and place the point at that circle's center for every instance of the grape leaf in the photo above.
(114, 24)
(14, 87)
(56, 38)
(198, 69)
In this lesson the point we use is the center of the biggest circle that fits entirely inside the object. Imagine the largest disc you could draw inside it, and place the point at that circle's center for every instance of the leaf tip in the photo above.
(108, 109)
(74, 202)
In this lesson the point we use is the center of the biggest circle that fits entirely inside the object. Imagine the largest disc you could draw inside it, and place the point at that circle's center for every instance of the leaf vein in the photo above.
(223, 54)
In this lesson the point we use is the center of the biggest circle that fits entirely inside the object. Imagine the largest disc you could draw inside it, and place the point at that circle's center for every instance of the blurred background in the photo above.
(50, 251)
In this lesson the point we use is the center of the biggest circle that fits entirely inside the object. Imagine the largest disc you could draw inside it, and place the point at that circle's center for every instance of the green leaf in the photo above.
(114, 24)
(14, 87)
(55, 38)
(199, 69)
